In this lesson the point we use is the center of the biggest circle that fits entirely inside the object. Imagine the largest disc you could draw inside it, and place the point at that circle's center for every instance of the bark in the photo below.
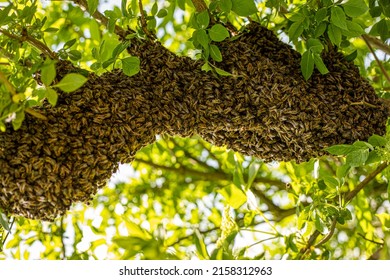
(265, 109)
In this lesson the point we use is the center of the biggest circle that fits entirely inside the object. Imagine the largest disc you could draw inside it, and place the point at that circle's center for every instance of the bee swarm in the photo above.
(266, 109)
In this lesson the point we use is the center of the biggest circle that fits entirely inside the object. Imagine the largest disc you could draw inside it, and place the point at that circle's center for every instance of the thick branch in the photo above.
(265, 109)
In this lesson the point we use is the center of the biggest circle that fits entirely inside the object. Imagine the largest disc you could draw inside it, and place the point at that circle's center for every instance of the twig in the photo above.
(329, 235)
(377, 43)
(370, 240)
(102, 19)
(364, 183)
(199, 5)
(280, 213)
(377, 59)
(8, 232)
(144, 25)
(62, 232)
(194, 158)
(348, 198)
(34, 42)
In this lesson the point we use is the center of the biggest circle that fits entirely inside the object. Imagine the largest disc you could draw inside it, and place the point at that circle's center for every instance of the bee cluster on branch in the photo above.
(265, 109)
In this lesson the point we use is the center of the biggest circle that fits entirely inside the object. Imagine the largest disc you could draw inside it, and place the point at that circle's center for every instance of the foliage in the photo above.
(187, 199)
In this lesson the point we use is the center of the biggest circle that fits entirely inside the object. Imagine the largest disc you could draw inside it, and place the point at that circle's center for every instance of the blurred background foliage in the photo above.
(184, 198)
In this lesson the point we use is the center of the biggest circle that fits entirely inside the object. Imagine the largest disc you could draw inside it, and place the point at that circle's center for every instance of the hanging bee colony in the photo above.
(265, 109)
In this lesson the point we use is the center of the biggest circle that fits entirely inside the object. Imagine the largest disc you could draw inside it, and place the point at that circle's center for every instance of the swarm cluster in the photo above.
(265, 109)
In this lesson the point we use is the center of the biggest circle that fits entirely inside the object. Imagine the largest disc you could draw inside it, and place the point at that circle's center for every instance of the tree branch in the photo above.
(377, 59)
(379, 44)
(199, 5)
(329, 235)
(102, 19)
(365, 182)
(348, 198)
(34, 42)
(279, 212)
(206, 175)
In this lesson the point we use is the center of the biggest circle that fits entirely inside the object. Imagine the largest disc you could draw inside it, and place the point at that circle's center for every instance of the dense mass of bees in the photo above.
(266, 109)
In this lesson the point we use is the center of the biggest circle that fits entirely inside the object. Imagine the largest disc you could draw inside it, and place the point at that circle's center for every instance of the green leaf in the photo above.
(234, 195)
(357, 157)
(48, 72)
(340, 150)
(200, 246)
(206, 67)
(334, 34)
(377, 140)
(218, 33)
(320, 225)
(125, 13)
(17, 122)
(295, 31)
(51, 30)
(92, 6)
(51, 96)
(4, 221)
(201, 37)
(244, 8)
(131, 65)
(71, 82)
(222, 72)
(252, 173)
(225, 5)
(69, 44)
(373, 157)
(320, 29)
(331, 182)
(307, 64)
(203, 19)
(342, 171)
(215, 53)
(314, 45)
(354, 8)
(351, 56)
(4, 18)
(120, 48)
(108, 62)
(154, 9)
(375, 11)
(162, 13)
(74, 55)
(298, 17)
(354, 29)
(383, 29)
(337, 17)
(152, 23)
(320, 64)
(182, 4)
(321, 14)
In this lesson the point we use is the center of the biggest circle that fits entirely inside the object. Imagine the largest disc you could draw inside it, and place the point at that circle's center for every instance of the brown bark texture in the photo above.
(265, 109)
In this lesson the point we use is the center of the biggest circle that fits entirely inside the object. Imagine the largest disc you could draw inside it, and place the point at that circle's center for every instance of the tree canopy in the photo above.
(246, 129)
